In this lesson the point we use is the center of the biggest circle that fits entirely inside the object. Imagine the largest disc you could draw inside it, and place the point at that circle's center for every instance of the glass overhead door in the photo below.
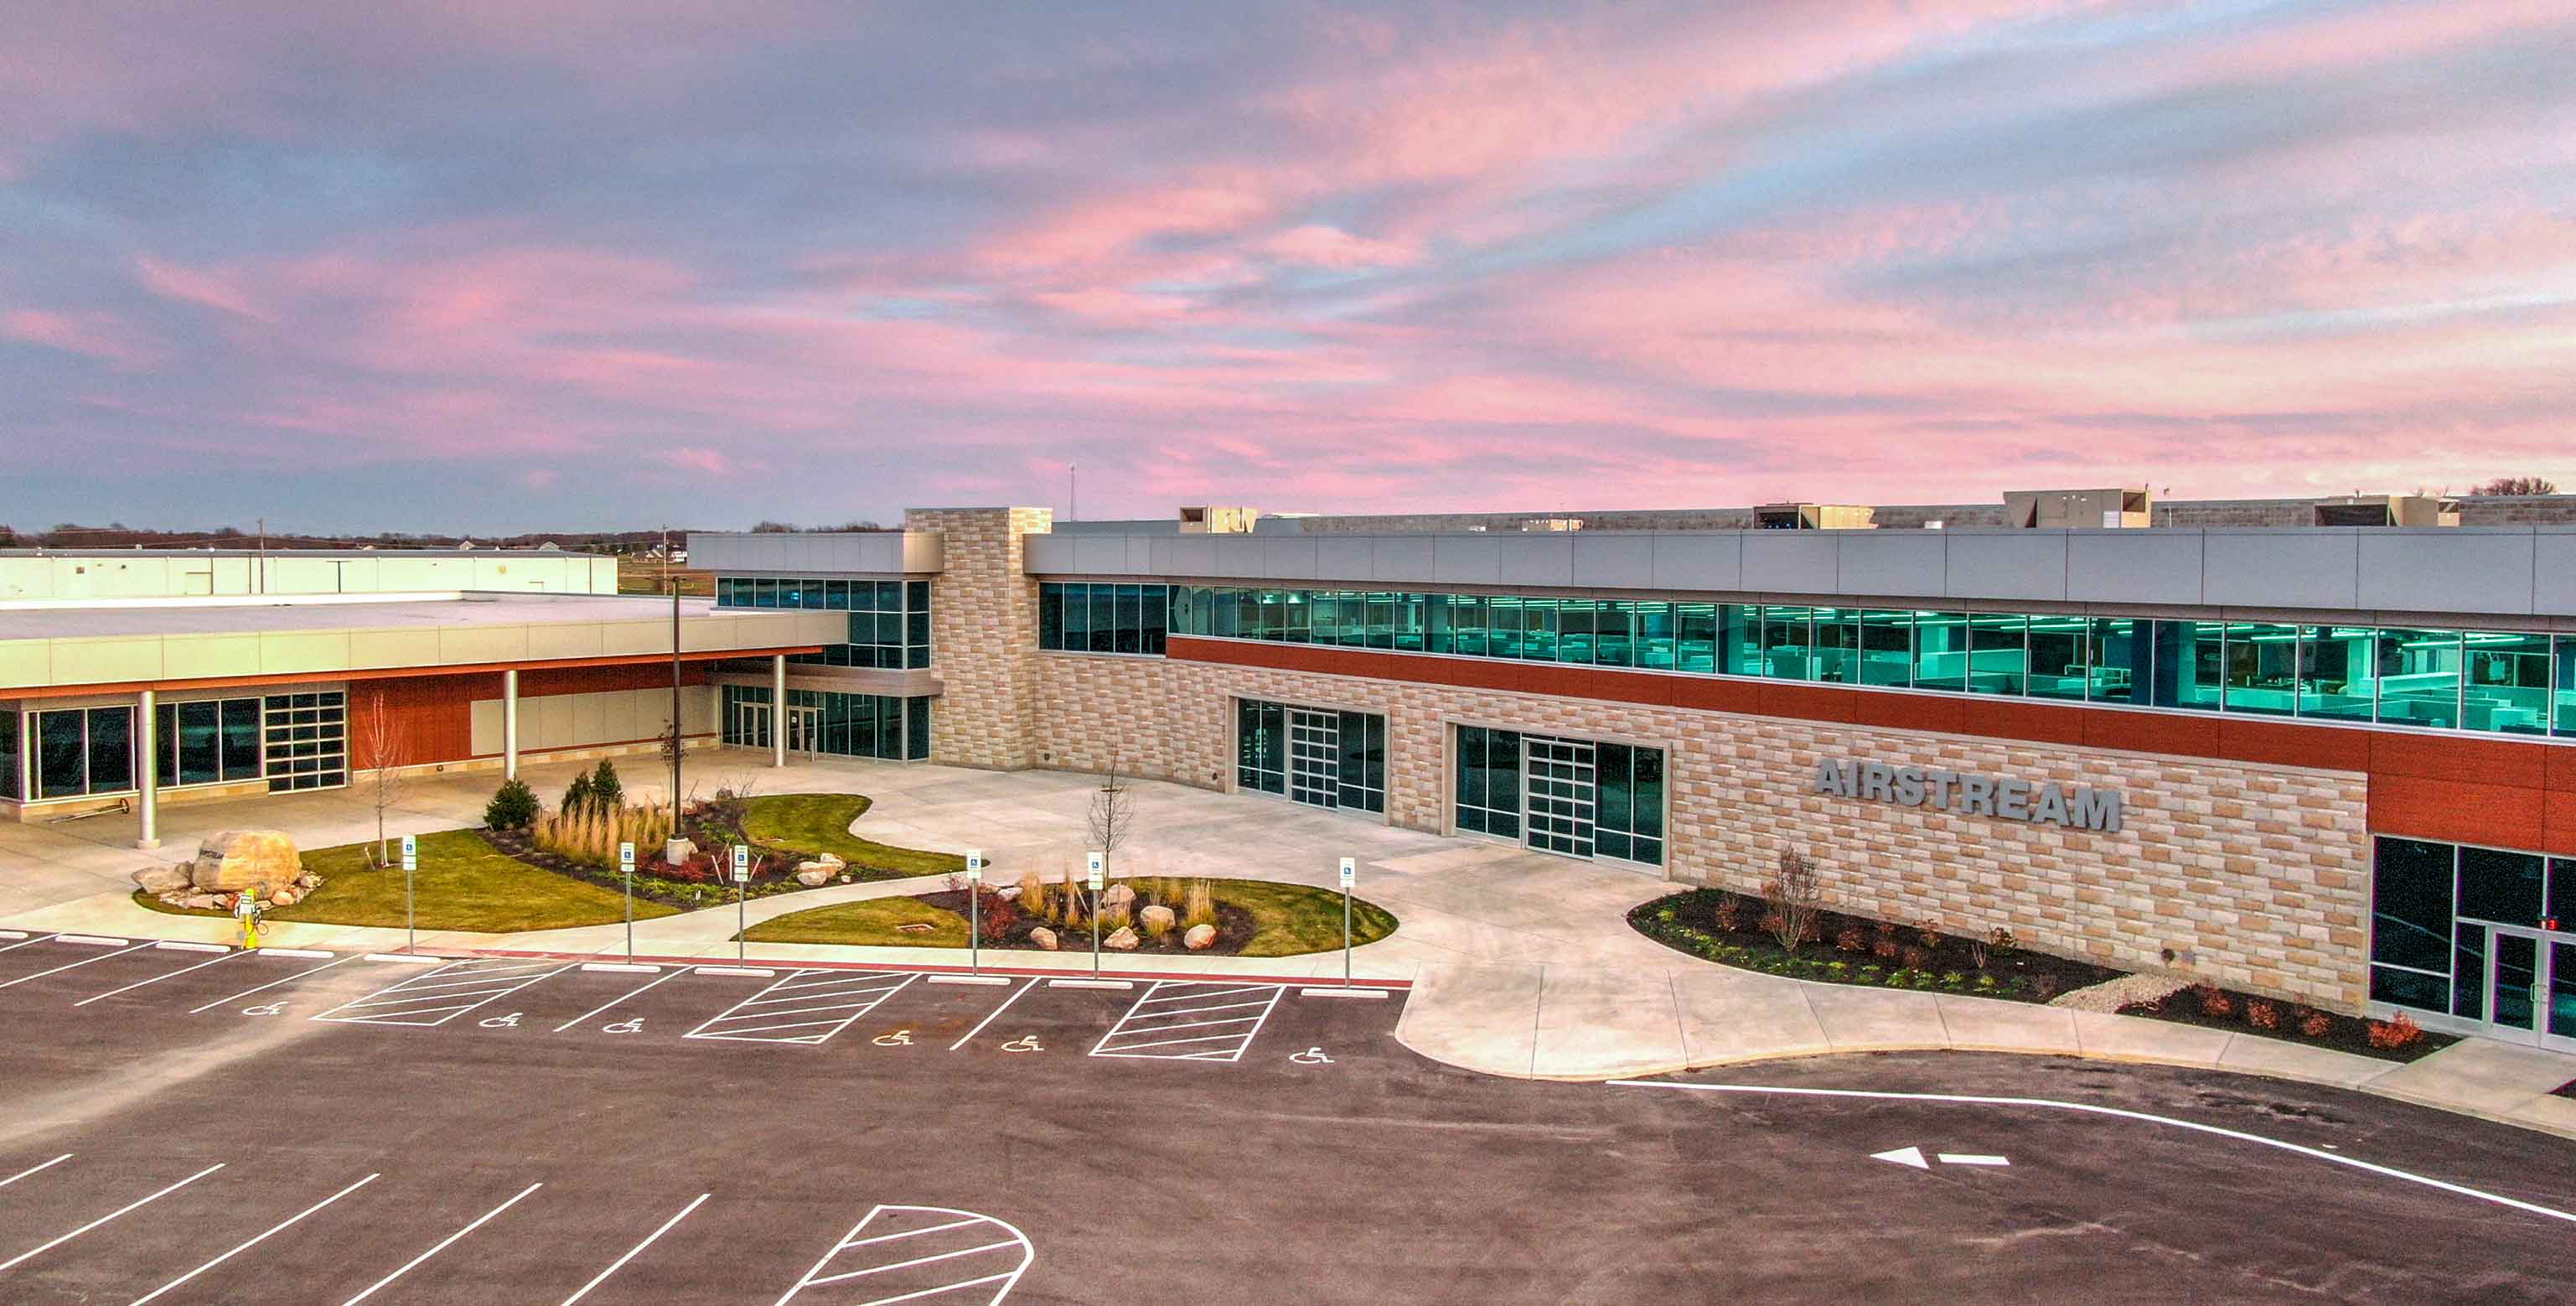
(1314, 757)
(1564, 793)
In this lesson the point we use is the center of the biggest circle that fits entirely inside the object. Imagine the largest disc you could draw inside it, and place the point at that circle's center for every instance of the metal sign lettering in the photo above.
(2007, 797)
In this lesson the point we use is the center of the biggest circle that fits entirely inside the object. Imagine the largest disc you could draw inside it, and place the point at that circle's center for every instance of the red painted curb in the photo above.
(1300, 981)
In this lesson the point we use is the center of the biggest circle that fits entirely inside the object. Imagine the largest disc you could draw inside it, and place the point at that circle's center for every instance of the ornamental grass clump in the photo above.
(590, 834)
(1198, 905)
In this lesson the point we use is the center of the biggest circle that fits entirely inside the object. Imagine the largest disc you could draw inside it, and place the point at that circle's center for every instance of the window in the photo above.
(1081, 618)
(1363, 761)
(10, 763)
(1787, 640)
(916, 729)
(1836, 660)
(62, 754)
(1887, 648)
(2500, 886)
(1628, 812)
(2057, 651)
(2419, 677)
(2190, 663)
(307, 740)
(1998, 653)
(2341, 680)
(1488, 796)
(2505, 684)
(2262, 668)
(1261, 746)
(2410, 923)
(207, 742)
(1739, 639)
(1941, 651)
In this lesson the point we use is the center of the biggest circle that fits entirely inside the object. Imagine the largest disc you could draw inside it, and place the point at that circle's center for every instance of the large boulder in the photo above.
(1200, 937)
(233, 860)
(1121, 939)
(1043, 937)
(158, 880)
(1157, 920)
(814, 875)
(1117, 896)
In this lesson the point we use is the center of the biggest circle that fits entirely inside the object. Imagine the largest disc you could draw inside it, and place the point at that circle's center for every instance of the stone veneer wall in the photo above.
(2256, 876)
(983, 635)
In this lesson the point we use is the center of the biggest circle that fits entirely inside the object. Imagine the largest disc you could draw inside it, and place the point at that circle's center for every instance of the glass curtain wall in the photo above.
(10, 758)
(2431, 908)
(1104, 618)
(2488, 681)
(881, 726)
(208, 742)
(889, 619)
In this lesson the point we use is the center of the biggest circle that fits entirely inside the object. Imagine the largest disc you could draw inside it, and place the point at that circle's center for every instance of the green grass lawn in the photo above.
(821, 823)
(462, 884)
(1288, 920)
(871, 921)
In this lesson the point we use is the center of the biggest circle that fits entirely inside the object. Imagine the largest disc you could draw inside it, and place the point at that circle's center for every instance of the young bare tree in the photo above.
(387, 741)
(1113, 814)
(1797, 899)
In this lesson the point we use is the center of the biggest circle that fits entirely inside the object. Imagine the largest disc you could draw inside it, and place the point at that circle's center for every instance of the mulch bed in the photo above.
(2212, 1007)
(1726, 927)
(1234, 928)
(779, 877)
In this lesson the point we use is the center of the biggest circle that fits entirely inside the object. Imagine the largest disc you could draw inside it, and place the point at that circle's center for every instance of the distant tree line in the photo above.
(2515, 485)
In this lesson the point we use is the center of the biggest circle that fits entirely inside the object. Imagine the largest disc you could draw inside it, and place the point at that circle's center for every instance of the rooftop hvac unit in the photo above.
(1814, 517)
(2120, 507)
(2387, 510)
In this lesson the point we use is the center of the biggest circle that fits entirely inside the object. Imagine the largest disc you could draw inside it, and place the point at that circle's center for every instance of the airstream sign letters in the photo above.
(2007, 797)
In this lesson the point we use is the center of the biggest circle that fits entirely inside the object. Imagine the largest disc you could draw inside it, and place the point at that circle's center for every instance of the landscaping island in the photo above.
(1246, 918)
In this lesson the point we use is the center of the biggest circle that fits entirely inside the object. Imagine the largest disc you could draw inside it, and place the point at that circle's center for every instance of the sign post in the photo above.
(1099, 864)
(626, 872)
(741, 913)
(411, 918)
(975, 912)
(1350, 872)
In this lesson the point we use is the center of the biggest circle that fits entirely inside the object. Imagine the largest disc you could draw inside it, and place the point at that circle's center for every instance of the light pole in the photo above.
(1350, 872)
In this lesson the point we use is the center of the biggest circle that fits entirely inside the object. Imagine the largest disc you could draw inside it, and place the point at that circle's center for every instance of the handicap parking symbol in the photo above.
(634, 1025)
(1024, 1043)
(1311, 1057)
(510, 1021)
(266, 1009)
(899, 1038)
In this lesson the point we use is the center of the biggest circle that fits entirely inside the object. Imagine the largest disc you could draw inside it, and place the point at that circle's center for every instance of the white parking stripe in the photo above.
(157, 979)
(1003, 1238)
(75, 965)
(30, 942)
(2089, 1108)
(430, 1000)
(243, 1247)
(34, 1168)
(630, 1254)
(13, 1261)
(857, 994)
(442, 1245)
(1022, 992)
(614, 1001)
(1173, 1004)
(311, 970)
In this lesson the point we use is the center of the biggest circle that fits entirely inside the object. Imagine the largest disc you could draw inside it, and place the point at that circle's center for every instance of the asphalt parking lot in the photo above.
(204, 1126)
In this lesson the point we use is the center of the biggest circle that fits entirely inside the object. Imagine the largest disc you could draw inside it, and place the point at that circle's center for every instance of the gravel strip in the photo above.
(2111, 995)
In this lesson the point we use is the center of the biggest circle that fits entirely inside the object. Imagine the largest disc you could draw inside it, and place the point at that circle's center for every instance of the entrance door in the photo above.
(1562, 793)
(2558, 1029)
(1314, 757)
(751, 724)
(2513, 982)
(805, 730)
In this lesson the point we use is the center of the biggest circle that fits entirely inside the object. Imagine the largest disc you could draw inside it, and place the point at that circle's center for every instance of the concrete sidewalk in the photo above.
(1521, 964)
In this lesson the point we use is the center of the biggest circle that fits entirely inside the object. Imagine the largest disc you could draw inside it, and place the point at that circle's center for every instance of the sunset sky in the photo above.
(505, 264)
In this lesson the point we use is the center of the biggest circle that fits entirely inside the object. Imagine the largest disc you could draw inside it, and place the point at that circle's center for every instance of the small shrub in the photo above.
(1773, 923)
(1887, 929)
(513, 806)
(1917, 958)
(2214, 1002)
(2394, 1033)
(2262, 1015)
(605, 788)
(1885, 949)
(1985, 981)
(2316, 1024)
(1952, 979)
(1850, 939)
(577, 795)
(2002, 942)
(998, 914)
(1928, 934)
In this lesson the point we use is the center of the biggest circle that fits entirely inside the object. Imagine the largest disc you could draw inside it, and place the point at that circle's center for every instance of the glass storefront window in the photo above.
(2504, 887)
(2410, 906)
(1941, 651)
(2505, 683)
(1999, 653)
(2057, 658)
(1488, 792)
(2262, 668)
(62, 754)
(1261, 746)
(10, 764)
(2419, 677)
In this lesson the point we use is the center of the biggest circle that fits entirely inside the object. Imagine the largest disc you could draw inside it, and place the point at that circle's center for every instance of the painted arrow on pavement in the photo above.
(1913, 1156)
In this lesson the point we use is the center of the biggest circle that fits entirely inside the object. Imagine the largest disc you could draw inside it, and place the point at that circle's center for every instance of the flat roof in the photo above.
(282, 552)
(76, 619)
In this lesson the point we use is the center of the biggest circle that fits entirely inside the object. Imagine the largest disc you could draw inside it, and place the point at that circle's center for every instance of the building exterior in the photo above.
(138, 678)
(2336, 765)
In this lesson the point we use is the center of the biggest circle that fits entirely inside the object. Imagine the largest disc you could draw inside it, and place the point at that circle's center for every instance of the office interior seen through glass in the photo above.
(296, 741)
(2473, 937)
(2494, 681)
(1321, 757)
(1578, 797)
(823, 722)
(1103, 618)
(889, 619)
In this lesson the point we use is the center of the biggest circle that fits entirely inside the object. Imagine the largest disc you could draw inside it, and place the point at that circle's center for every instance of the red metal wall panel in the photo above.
(426, 718)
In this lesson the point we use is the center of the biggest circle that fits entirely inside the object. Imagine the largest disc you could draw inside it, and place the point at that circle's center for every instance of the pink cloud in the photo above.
(196, 286)
(1331, 247)
(710, 461)
(94, 334)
